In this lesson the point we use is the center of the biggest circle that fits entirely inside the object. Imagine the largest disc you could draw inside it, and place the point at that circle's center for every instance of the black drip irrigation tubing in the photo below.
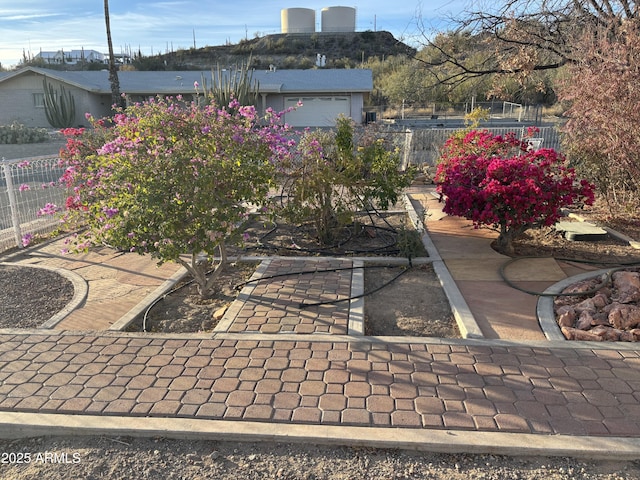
(302, 306)
(330, 249)
(381, 249)
(607, 280)
(165, 295)
(388, 248)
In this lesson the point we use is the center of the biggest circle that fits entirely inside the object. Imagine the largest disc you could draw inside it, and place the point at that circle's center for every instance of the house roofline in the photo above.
(264, 88)
(47, 73)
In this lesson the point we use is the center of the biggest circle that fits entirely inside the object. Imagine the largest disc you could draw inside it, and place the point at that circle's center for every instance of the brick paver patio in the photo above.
(272, 361)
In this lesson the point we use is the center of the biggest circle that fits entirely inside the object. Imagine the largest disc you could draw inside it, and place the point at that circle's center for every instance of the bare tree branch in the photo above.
(523, 36)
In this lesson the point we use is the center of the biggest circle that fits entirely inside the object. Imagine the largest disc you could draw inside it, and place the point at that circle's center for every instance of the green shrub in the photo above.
(334, 175)
(17, 133)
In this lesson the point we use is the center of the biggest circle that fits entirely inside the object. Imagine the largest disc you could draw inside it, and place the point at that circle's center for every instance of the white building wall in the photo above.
(18, 105)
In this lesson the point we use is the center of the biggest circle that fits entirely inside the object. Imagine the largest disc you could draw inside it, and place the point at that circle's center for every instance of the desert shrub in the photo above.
(602, 95)
(331, 176)
(500, 182)
(17, 133)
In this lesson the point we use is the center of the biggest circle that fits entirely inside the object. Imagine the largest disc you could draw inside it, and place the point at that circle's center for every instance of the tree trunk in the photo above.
(505, 241)
(203, 272)
(116, 99)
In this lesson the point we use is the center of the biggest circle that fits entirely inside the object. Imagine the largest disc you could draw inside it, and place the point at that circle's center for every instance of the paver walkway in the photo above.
(500, 311)
(116, 281)
(467, 385)
(288, 297)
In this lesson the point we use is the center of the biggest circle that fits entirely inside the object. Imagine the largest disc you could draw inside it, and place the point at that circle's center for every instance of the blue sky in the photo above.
(155, 27)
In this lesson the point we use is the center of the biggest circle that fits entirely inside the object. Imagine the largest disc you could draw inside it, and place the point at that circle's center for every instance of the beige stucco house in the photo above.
(324, 93)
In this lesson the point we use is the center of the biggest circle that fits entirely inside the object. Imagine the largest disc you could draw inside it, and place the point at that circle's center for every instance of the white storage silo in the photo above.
(298, 20)
(338, 19)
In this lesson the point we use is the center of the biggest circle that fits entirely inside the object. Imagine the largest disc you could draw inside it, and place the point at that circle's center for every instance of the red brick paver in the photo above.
(469, 385)
(285, 302)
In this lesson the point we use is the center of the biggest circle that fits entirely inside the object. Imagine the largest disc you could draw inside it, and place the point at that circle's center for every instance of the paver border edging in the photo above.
(80, 291)
(243, 296)
(24, 425)
(323, 338)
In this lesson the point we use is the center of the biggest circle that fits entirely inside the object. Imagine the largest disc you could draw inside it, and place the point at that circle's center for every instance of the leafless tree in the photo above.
(521, 36)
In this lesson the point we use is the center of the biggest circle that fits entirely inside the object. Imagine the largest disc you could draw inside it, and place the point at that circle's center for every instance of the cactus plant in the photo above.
(59, 106)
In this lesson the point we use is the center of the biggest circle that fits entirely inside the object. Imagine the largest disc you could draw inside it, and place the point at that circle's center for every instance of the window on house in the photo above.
(38, 100)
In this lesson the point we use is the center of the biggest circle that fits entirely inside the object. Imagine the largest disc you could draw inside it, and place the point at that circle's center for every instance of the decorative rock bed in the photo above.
(603, 307)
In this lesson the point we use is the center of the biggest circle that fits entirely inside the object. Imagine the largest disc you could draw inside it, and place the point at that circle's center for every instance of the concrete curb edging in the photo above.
(80, 291)
(467, 324)
(356, 304)
(23, 425)
(131, 315)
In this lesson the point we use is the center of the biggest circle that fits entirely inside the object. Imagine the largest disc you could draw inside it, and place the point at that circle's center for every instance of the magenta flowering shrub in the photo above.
(499, 182)
(170, 178)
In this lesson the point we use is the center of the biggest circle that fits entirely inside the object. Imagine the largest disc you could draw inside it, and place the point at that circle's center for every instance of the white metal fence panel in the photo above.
(423, 145)
(26, 186)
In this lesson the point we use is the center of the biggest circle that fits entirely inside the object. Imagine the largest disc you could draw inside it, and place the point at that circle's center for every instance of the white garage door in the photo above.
(316, 111)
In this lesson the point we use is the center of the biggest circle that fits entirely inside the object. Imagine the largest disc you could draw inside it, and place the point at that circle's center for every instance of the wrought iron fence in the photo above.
(27, 185)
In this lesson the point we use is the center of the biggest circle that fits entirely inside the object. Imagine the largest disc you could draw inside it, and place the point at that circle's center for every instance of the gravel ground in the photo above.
(58, 458)
(21, 292)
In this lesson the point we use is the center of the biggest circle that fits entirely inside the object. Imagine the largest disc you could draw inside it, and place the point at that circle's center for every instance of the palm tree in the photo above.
(113, 69)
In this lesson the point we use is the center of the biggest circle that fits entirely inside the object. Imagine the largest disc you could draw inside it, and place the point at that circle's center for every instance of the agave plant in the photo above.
(236, 83)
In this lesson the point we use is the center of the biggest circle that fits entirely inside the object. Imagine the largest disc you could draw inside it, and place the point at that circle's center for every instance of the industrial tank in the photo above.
(298, 20)
(338, 19)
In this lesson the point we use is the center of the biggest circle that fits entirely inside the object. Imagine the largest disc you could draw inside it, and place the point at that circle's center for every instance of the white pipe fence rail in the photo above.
(26, 186)
(423, 145)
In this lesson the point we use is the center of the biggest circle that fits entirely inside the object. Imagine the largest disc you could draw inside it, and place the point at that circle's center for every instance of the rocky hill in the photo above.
(341, 50)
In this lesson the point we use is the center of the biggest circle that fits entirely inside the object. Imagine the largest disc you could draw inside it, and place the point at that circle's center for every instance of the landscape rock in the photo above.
(580, 335)
(625, 316)
(567, 318)
(219, 313)
(607, 333)
(627, 285)
(584, 321)
(587, 305)
(606, 312)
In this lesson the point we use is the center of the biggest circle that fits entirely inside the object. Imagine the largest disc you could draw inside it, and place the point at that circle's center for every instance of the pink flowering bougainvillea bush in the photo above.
(501, 183)
(169, 178)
